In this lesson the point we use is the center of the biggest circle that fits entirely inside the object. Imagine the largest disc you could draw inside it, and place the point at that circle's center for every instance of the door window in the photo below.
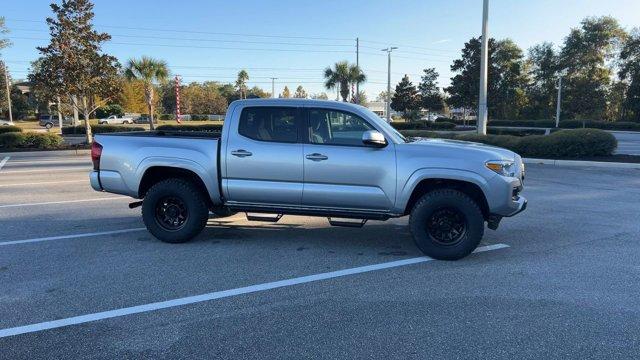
(269, 124)
(333, 127)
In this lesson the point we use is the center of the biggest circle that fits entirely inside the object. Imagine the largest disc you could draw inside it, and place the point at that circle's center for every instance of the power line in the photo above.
(204, 47)
(200, 32)
(206, 40)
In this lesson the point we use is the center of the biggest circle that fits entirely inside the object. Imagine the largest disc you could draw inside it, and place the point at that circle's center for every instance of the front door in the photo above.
(264, 157)
(341, 172)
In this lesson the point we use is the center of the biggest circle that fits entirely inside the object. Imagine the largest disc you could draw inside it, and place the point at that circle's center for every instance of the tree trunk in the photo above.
(74, 105)
(149, 97)
(86, 120)
(59, 113)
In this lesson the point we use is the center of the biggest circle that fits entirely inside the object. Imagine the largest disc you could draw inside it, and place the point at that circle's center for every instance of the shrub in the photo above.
(424, 125)
(199, 117)
(564, 143)
(99, 129)
(515, 132)
(200, 127)
(30, 140)
(11, 140)
(108, 110)
(167, 116)
(9, 128)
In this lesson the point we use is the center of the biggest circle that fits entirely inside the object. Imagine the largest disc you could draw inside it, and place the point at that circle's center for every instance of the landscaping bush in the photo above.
(167, 116)
(515, 132)
(199, 117)
(561, 144)
(108, 110)
(99, 129)
(200, 127)
(15, 140)
(423, 125)
(524, 123)
(9, 128)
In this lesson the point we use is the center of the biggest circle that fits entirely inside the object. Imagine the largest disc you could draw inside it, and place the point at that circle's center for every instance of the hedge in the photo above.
(200, 127)
(515, 132)
(423, 125)
(564, 143)
(569, 124)
(99, 129)
(15, 140)
(9, 129)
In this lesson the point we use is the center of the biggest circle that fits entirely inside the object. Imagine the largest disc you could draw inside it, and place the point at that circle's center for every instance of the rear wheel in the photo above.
(174, 210)
(48, 125)
(446, 224)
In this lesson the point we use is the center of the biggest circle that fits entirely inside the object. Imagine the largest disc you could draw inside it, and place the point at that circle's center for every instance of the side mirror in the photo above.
(374, 138)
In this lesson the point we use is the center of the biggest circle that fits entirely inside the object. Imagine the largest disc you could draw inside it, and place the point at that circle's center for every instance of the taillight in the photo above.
(96, 152)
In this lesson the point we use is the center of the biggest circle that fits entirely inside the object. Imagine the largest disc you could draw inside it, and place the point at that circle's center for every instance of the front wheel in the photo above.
(446, 224)
(174, 210)
(48, 126)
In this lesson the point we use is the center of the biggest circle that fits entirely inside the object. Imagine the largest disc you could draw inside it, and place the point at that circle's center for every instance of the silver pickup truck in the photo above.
(318, 158)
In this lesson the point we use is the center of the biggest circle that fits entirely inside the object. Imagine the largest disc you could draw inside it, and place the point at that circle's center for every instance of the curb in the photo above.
(602, 164)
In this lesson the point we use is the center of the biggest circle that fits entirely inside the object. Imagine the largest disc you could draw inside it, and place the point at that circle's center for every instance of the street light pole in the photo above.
(389, 50)
(273, 87)
(358, 65)
(6, 82)
(482, 101)
(559, 101)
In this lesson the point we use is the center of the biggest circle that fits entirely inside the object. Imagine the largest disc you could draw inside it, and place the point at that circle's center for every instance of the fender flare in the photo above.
(438, 173)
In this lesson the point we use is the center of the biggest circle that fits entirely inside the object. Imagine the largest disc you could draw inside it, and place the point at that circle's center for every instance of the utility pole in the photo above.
(6, 82)
(559, 100)
(273, 87)
(482, 102)
(358, 65)
(389, 50)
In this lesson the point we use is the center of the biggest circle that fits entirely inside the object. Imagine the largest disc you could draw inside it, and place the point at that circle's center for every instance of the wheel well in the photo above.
(155, 174)
(468, 188)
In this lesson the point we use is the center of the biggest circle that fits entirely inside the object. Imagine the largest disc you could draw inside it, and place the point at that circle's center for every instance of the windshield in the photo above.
(399, 138)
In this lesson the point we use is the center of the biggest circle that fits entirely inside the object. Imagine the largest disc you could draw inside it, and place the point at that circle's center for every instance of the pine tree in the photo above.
(406, 98)
(72, 64)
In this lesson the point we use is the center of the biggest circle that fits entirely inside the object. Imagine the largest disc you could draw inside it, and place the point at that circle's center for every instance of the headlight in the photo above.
(502, 167)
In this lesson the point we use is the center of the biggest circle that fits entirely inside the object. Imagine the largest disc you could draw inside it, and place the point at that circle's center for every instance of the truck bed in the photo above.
(168, 133)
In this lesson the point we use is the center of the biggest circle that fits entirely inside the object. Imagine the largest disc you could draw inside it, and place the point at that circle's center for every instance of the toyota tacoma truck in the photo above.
(276, 157)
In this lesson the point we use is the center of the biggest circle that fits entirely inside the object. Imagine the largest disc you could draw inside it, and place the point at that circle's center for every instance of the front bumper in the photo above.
(521, 205)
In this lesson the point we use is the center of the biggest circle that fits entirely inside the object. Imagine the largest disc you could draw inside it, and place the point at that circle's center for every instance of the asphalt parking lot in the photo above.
(80, 277)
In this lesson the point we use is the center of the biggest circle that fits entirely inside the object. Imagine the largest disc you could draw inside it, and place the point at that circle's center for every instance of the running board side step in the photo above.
(353, 224)
(272, 219)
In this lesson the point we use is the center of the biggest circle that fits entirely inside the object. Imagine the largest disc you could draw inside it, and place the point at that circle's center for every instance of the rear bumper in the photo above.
(94, 180)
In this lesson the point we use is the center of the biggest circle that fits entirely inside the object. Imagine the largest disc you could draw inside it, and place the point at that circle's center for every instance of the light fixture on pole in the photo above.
(484, 57)
(389, 50)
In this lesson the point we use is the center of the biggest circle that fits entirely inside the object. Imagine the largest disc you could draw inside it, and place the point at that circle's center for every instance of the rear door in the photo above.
(340, 171)
(264, 157)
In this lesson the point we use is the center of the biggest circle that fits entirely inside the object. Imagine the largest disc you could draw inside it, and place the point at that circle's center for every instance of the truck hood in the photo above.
(466, 147)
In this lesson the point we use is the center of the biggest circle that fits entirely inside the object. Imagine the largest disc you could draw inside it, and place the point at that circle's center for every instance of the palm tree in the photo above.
(343, 75)
(241, 83)
(148, 71)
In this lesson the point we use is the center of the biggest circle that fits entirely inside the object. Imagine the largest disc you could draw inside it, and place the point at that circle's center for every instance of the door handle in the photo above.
(317, 157)
(241, 153)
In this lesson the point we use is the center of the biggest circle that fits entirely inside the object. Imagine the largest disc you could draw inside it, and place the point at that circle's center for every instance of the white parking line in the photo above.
(47, 183)
(51, 170)
(74, 236)
(217, 295)
(4, 161)
(64, 202)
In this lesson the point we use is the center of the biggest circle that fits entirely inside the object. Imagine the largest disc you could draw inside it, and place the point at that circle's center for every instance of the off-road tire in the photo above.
(193, 200)
(465, 210)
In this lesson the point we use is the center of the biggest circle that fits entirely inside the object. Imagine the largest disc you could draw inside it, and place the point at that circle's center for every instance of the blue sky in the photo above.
(200, 39)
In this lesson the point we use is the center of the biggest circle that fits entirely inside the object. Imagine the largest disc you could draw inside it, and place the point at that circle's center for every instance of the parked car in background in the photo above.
(6, 122)
(49, 121)
(143, 119)
(431, 117)
(315, 158)
(115, 119)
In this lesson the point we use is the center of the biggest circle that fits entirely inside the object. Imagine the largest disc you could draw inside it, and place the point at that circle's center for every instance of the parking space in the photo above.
(560, 280)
